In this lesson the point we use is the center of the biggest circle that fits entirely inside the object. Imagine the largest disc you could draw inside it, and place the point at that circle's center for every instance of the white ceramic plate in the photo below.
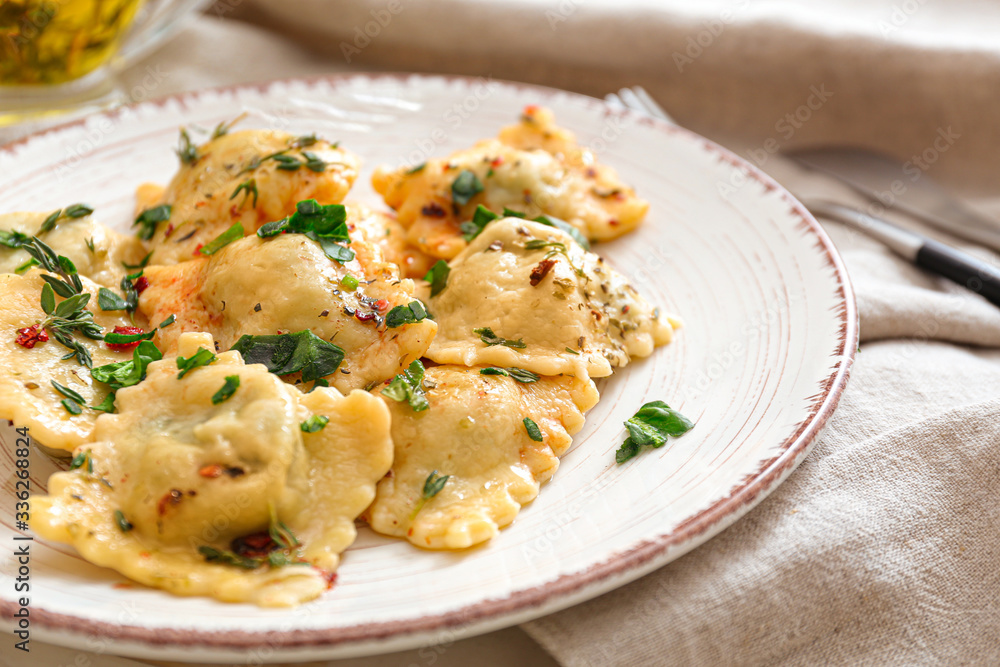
(771, 330)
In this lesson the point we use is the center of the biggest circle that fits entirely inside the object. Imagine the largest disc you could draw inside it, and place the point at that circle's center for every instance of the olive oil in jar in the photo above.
(55, 41)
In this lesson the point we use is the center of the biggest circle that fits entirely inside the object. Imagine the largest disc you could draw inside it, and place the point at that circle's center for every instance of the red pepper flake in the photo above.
(201, 204)
(365, 316)
(121, 585)
(613, 222)
(141, 284)
(624, 309)
(434, 210)
(331, 578)
(497, 161)
(527, 196)
(234, 211)
(125, 331)
(29, 336)
(255, 545)
(211, 471)
(381, 305)
(197, 251)
(529, 112)
(170, 498)
(539, 272)
(170, 230)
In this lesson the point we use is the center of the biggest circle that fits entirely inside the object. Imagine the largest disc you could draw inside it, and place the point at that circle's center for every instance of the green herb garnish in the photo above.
(148, 219)
(186, 150)
(123, 524)
(107, 405)
(409, 314)
(108, 300)
(649, 427)
(409, 386)
(572, 351)
(167, 322)
(522, 375)
(314, 424)
(249, 189)
(432, 486)
(127, 373)
(71, 212)
(72, 406)
(566, 227)
(234, 233)
(327, 225)
(438, 277)
(465, 186)
(81, 460)
(229, 386)
(416, 170)
(531, 427)
(482, 217)
(487, 336)
(68, 393)
(349, 282)
(13, 239)
(127, 339)
(200, 358)
(289, 353)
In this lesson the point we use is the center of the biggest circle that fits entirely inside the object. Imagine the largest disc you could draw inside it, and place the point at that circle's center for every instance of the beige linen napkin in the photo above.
(882, 547)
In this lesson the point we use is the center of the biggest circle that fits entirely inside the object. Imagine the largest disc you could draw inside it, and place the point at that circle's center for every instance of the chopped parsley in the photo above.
(438, 277)
(349, 282)
(314, 424)
(409, 314)
(113, 338)
(409, 386)
(482, 217)
(278, 552)
(465, 186)
(167, 322)
(550, 221)
(289, 353)
(649, 427)
(148, 219)
(487, 336)
(107, 405)
(127, 373)
(142, 262)
(534, 432)
(200, 358)
(234, 233)
(522, 375)
(229, 387)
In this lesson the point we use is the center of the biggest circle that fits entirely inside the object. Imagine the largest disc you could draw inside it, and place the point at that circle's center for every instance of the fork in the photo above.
(637, 99)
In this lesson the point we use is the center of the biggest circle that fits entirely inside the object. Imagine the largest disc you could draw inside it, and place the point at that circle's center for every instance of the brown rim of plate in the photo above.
(689, 534)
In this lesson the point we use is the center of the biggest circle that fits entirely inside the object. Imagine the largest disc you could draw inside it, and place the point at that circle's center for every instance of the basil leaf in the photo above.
(465, 186)
(332, 249)
(408, 386)
(234, 233)
(229, 387)
(131, 372)
(107, 405)
(108, 300)
(200, 358)
(438, 277)
(314, 424)
(482, 217)
(534, 432)
(289, 353)
(650, 427)
(409, 314)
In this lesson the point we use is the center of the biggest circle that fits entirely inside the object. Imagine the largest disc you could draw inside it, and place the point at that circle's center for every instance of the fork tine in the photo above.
(655, 109)
(637, 99)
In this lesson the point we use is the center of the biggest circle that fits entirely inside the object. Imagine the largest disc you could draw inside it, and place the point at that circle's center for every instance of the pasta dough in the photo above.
(566, 309)
(287, 284)
(70, 238)
(185, 473)
(27, 396)
(474, 432)
(204, 196)
(533, 167)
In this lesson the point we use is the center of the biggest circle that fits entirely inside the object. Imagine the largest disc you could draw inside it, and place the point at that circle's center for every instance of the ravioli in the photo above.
(179, 491)
(206, 199)
(286, 284)
(474, 432)
(534, 167)
(560, 308)
(73, 238)
(382, 229)
(27, 396)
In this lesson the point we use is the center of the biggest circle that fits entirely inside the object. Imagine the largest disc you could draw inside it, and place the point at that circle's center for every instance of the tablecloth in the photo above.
(883, 547)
